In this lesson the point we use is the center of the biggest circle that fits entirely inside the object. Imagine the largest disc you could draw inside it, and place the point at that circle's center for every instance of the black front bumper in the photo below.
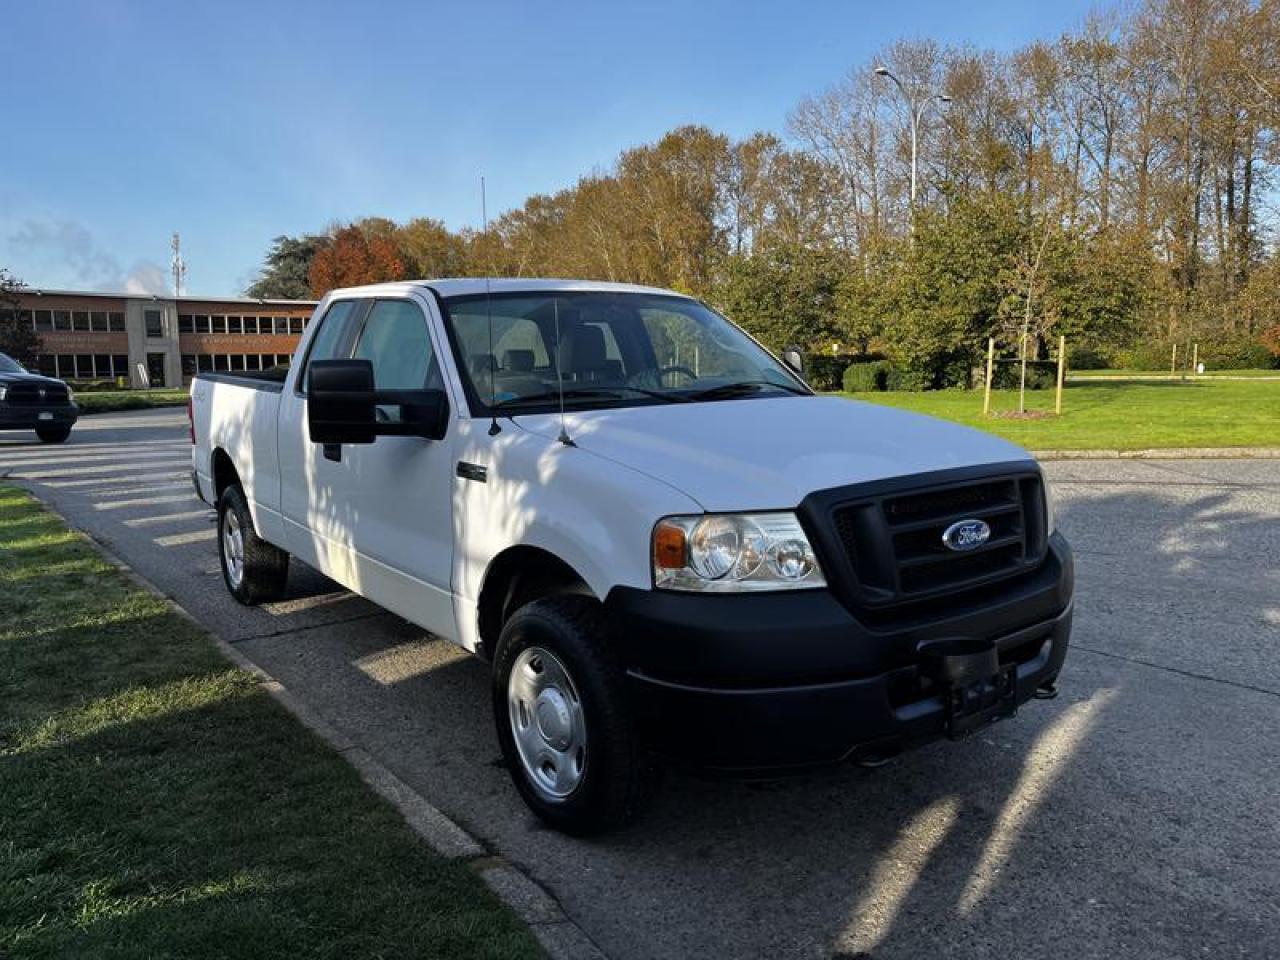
(778, 680)
(29, 417)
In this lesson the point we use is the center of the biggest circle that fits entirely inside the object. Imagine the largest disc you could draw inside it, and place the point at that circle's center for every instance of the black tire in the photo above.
(618, 776)
(53, 434)
(264, 569)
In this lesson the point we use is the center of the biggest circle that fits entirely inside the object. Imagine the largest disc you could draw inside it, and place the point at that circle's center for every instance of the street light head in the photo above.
(882, 71)
(945, 98)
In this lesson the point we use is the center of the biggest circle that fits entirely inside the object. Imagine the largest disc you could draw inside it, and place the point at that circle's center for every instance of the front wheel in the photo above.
(53, 434)
(562, 720)
(253, 570)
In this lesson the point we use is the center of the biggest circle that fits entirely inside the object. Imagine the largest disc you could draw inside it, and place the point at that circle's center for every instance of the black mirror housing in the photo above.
(343, 406)
(340, 401)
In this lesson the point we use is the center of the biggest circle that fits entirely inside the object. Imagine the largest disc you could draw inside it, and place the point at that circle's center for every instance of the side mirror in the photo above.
(794, 359)
(344, 407)
(340, 401)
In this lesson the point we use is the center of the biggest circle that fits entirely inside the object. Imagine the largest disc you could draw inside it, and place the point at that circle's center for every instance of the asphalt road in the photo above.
(1138, 815)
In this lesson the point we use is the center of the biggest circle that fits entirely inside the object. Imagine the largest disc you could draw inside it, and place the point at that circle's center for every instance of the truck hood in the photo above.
(8, 378)
(770, 453)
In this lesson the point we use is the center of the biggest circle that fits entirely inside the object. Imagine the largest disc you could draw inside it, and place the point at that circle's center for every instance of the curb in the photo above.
(1171, 453)
(559, 936)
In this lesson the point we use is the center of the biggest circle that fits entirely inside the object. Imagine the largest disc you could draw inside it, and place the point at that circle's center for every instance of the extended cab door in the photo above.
(379, 516)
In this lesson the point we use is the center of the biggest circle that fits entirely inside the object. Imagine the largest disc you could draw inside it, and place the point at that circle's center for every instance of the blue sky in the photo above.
(234, 122)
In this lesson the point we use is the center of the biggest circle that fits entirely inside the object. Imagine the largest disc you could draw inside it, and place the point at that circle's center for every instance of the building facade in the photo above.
(158, 341)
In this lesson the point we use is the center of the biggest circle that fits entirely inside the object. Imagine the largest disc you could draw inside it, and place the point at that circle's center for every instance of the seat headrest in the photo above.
(518, 361)
(583, 349)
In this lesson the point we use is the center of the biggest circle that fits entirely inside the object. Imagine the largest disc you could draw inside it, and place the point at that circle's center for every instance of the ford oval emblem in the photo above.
(966, 535)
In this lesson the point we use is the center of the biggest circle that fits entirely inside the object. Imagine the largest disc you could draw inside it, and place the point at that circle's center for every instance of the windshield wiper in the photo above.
(550, 396)
(742, 388)
(595, 393)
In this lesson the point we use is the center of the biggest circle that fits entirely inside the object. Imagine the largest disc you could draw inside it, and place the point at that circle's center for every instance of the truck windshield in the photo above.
(10, 366)
(607, 349)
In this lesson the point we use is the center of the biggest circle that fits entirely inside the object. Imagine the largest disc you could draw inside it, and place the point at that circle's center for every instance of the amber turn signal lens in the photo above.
(669, 547)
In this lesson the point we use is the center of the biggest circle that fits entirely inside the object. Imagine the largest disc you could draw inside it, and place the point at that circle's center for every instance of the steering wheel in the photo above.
(675, 368)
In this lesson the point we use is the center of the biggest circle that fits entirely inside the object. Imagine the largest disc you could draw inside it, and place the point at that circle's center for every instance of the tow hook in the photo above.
(1046, 691)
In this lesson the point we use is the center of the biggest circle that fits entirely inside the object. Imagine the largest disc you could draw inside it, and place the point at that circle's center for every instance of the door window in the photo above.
(395, 340)
(331, 335)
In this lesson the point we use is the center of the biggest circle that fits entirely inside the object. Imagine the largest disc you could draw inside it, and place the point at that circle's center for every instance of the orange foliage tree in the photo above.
(354, 258)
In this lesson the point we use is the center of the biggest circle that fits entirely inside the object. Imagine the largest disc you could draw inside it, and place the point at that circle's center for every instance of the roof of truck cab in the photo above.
(470, 286)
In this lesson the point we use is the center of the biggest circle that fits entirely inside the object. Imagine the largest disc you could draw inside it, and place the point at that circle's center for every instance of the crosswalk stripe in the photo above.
(38, 474)
(173, 478)
(169, 518)
(144, 502)
(180, 539)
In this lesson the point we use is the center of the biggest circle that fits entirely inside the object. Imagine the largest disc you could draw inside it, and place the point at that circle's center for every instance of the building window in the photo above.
(250, 324)
(220, 363)
(66, 366)
(186, 323)
(219, 324)
(237, 362)
(115, 321)
(155, 322)
(62, 319)
(120, 365)
(26, 319)
(200, 324)
(282, 359)
(80, 321)
(295, 325)
(44, 320)
(101, 366)
(47, 364)
(188, 364)
(98, 321)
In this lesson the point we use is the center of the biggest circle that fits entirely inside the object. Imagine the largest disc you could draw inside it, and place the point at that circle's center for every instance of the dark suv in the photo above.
(29, 401)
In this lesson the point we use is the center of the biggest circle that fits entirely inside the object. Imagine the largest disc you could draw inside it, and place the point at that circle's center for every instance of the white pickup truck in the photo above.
(669, 549)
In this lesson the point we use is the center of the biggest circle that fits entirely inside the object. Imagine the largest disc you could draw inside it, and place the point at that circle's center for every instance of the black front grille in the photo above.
(893, 542)
(37, 395)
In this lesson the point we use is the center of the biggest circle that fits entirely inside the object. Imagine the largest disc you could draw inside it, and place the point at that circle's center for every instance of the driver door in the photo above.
(399, 490)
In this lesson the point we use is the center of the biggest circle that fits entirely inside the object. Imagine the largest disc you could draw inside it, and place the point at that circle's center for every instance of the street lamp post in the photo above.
(917, 108)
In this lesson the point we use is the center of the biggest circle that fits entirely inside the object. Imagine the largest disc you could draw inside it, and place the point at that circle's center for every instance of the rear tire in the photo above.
(53, 434)
(562, 718)
(253, 570)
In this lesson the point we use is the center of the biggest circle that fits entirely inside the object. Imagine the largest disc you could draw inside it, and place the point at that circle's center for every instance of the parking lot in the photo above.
(1136, 815)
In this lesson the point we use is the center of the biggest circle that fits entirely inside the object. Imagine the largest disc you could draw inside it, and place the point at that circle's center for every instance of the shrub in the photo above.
(865, 376)
(1087, 358)
(824, 371)
(1235, 353)
(1041, 375)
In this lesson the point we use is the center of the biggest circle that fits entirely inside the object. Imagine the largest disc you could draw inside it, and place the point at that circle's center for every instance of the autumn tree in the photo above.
(353, 258)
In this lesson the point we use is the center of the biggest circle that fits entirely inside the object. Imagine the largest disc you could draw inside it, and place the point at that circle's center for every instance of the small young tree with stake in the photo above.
(17, 338)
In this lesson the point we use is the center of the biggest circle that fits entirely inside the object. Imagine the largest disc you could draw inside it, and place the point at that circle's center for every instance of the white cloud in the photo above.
(73, 245)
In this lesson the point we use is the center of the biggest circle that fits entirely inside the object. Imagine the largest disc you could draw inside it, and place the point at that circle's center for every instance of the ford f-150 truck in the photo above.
(29, 401)
(669, 549)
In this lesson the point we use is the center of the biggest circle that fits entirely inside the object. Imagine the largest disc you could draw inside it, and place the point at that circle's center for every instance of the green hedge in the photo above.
(869, 376)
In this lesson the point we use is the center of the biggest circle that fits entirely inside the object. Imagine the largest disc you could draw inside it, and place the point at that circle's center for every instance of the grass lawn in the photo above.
(1121, 415)
(105, 401)
(154, 801)
(1088, 374)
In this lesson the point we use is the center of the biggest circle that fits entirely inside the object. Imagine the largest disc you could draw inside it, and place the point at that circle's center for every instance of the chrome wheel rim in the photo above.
(233, 547)
(547, 723)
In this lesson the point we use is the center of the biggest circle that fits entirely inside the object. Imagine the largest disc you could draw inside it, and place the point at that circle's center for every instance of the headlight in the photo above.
(729, 553)
(1050, 512)
(3, 392)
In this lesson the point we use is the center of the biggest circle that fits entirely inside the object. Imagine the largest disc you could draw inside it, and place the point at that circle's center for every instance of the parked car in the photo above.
(666, 546)
(29, 401)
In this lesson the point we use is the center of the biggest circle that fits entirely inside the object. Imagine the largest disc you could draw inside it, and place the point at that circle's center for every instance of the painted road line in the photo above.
(70, 457)
(125, 483)
(78, 471)
(145, 502)
(206, 513)
(179, 539)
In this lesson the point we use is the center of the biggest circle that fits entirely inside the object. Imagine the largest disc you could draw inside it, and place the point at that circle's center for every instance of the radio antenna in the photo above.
(564, 434)
(494, 428)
